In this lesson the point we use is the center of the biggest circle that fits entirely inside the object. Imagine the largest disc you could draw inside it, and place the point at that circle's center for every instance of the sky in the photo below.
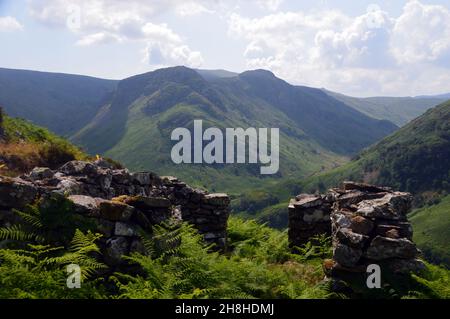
(359, 48)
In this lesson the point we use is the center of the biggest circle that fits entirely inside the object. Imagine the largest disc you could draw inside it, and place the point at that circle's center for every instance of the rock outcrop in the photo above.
(121, 202)
(368, 225)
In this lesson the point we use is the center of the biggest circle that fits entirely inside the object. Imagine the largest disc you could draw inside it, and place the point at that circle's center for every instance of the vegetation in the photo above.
(63, 103)
(135, 126)
(178, 264)
(413, 159)
(431, 225)
(398, 110)
(24, 146)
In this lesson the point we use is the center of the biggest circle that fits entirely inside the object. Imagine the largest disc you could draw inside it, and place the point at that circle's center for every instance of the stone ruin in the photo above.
(119, 202)
(368, 225)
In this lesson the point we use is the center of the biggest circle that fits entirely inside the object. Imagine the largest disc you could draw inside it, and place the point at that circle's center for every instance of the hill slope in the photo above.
(24, 146)
(63, 103)
(135, 126)
(416, 158)
(431, 230)
(399, 110)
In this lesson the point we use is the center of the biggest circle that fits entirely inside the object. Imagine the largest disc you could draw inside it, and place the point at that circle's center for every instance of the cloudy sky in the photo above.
(360, 48)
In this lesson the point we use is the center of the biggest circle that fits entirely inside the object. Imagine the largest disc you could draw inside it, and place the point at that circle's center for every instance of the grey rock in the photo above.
(69, 186)
(86, 204)
(115, 211)
(116, 247)
(307, 201)
(383, 248)
(391, 206)
(348, 185)
(346, 256)
(78, 168)
(16, 193)
(361, 225)
(142, 178)
(218, 199)
(123, 229)
(40, 173)
(347, 237)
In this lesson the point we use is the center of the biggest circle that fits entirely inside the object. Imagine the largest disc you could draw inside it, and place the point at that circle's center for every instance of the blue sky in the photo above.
(361, 48)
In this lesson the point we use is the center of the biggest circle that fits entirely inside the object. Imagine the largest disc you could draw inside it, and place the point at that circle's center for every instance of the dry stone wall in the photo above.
(120, 202)
(368, 225)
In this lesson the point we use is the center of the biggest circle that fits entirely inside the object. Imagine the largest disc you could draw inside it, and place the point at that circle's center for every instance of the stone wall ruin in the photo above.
(119, 201)
(368, 225)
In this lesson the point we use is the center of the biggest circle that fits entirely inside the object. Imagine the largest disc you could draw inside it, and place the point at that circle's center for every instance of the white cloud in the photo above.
(108, 21)
(191, 8)
(98, 38)
(422, 34)
(372, 53)
(8, 24)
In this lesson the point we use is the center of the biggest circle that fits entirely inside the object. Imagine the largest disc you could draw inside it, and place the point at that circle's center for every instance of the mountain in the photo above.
(413, 159)
(64, 103)
(215, 74)
(399, 110)
(317, 131)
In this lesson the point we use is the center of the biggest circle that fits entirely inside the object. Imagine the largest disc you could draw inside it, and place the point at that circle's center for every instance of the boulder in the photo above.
(116, 247)
(86, 205)
(402, 229)
(121, 176)
(39, 173)
(126, 230)
(78, 168)
(142, 178)
(391, 206)
(341, 219)
(145, 203)
(307, 201)
(346, 256)
(349, 238)
(69, 186)
(347, 185)
(115, 211)
(361, 225)
(16, 193)
(317, 215)
(218, 199)
(383, 248)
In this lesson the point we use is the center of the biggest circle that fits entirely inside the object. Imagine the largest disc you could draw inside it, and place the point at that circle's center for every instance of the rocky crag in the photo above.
(368, 225)
(121, 203)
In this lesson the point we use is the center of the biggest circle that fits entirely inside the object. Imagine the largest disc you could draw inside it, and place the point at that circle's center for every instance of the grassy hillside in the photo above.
(431, 230)
(414, 159)
(24, 146)
(63, 103)
(317, 132)
(398, 110)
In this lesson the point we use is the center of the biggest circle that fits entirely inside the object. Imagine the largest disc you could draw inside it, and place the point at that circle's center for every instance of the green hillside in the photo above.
(431, 230)
(398, 110)
(24, 146)
(317, 132)
(413, 159)
(63, 103)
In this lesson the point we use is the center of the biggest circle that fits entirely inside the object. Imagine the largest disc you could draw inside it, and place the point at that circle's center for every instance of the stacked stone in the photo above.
(309, 216)
(121, 203)
(369, 226)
